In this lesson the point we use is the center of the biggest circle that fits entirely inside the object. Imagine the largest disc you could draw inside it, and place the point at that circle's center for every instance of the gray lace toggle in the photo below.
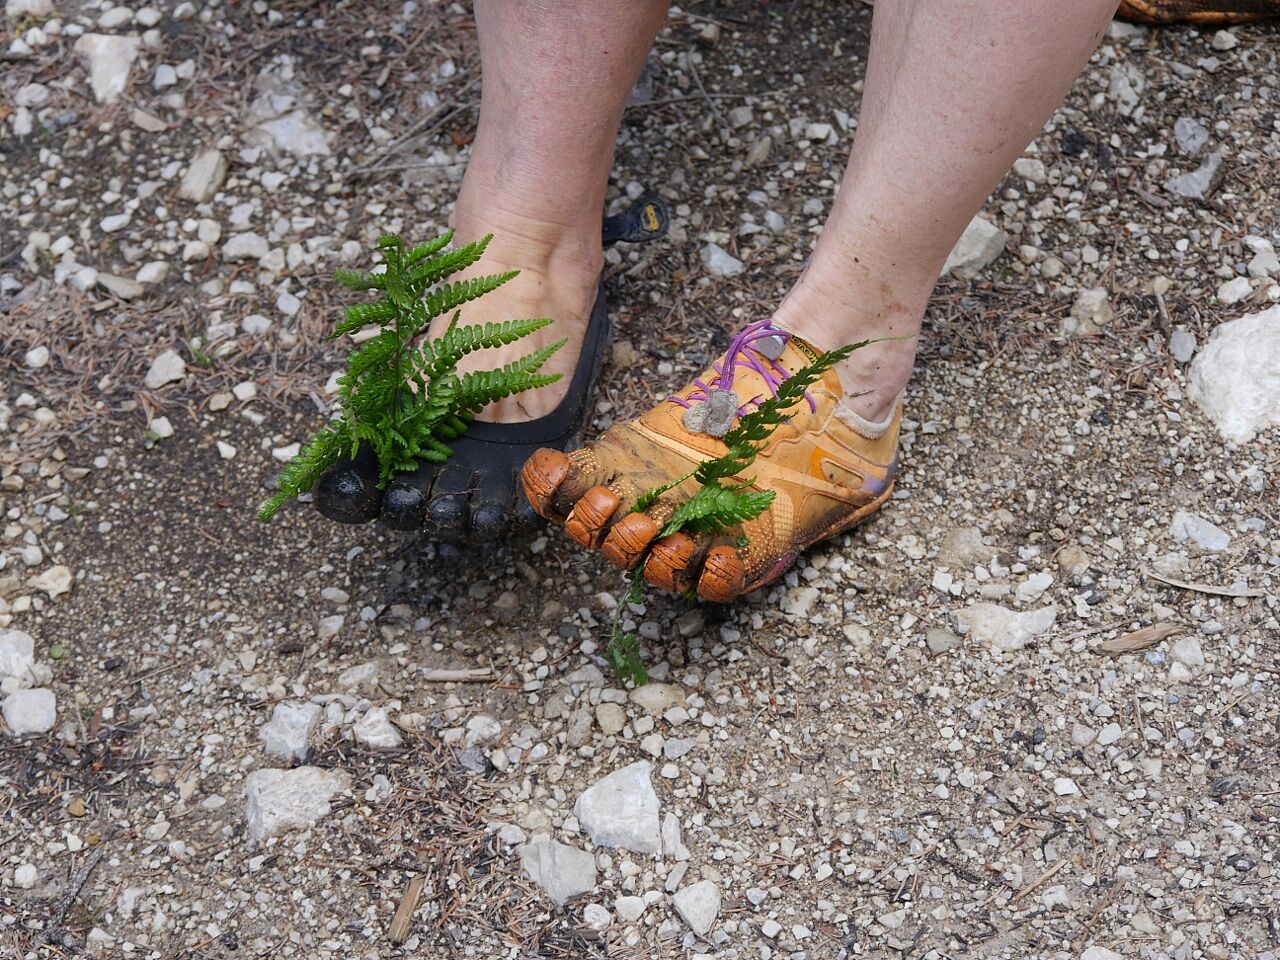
(770, 347)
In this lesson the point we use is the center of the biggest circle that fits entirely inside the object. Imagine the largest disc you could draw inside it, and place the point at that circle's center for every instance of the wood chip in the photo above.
(468, 675)
(1208, 587)
(1141, 639)
(399, 929)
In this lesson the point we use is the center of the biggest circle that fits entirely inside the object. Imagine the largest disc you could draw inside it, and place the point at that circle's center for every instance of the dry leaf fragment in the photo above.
(1141, 639)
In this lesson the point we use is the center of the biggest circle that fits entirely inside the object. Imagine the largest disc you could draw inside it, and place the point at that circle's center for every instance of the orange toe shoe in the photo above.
(829, 469)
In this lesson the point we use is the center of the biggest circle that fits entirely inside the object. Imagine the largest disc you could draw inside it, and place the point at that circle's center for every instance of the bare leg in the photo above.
(954, 93)
(556, 78)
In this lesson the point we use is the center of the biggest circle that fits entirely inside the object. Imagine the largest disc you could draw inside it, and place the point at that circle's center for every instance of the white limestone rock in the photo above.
(563, 872)
(1205, 535)
(285, 737)
(204, 177)
(698, 905)
(30, 711)
(978, 247)
(375, 731)
(1235, 378)
(109, 58)
(17, 653)
(168, 367)
(276, 801)
(720, 262)
(1004, 629)
(621, 810)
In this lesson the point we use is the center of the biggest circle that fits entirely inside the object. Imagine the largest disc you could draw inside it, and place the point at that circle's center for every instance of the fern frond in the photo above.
(650, 496)
(355, 280)
(714, 508)
(456, 342)
(422, 275)
(430, 248)
(361, 315)
(480, 389)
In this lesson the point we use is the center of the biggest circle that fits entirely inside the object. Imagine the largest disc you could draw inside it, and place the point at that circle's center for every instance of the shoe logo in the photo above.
(834, 472)
(649, 213)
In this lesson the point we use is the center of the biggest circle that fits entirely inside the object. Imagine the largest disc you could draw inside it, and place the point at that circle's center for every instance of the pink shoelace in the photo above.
(748, 349)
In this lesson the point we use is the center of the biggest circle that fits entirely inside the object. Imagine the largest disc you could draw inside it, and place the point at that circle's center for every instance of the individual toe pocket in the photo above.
(628, 538)
(542, 475)
(496, 492)
(348, 491)
(448, 509)
(587, 520)
(672, 563)
(724, 575)
(404, 506)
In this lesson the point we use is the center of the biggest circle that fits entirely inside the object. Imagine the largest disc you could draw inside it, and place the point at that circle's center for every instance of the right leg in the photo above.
(556, 78)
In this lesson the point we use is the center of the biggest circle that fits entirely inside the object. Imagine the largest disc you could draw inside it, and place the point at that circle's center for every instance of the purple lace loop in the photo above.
(743, 350)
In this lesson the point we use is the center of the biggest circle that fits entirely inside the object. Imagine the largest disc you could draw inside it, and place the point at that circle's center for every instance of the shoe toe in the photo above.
(587, 520)
(403, 506)
(489, 521)
(724, 576)
(447, 516)
(542, 475)
(627, 539)
(348, 493)
(667, 564)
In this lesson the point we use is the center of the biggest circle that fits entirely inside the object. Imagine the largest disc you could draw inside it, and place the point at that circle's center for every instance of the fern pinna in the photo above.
(404, 400)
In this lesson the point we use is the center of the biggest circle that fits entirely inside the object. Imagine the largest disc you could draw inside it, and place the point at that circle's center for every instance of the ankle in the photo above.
(874, 376)
(530, 242)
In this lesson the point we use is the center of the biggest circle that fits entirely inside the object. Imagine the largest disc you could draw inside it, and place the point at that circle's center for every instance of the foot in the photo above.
(475, 495)
(559, 278)
(829, 467)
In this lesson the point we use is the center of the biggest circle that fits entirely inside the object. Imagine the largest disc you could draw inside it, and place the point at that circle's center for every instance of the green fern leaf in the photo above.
(432, 359)
(446, 265)
(713, 508)
(324, 448)
(428, 249)
(355, 280)
(449, 296)
(650, 496)
(360, 315)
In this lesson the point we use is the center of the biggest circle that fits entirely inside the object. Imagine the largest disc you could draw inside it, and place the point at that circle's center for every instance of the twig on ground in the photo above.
(1208, 587)
(465, 675)
(1140, 639)
(399, 929)
(53, 931)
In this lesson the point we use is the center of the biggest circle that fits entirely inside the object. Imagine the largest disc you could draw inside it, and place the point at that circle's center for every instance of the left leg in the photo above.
(953, 94)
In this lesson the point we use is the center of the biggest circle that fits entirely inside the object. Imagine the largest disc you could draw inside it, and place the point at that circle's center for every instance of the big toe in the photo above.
(348, 491)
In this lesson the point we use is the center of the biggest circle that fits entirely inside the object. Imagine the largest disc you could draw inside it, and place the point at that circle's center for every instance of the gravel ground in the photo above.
(938, 736)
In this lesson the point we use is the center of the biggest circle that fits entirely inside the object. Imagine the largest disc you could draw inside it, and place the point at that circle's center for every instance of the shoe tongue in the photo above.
(792, 354)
